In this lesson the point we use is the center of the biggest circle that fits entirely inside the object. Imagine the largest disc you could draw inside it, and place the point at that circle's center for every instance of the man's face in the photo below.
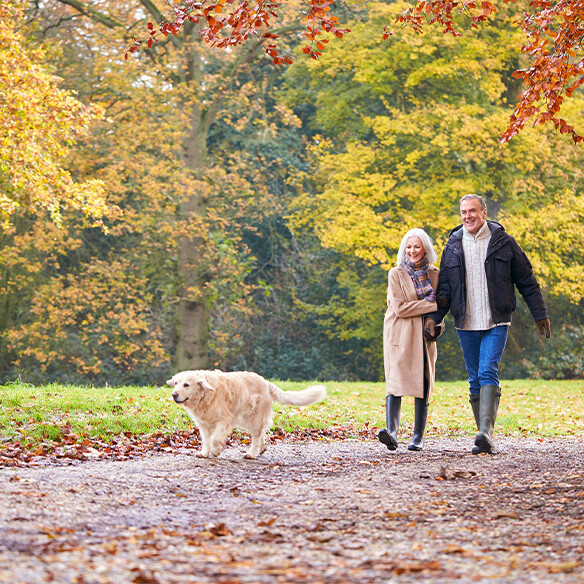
(473, 217)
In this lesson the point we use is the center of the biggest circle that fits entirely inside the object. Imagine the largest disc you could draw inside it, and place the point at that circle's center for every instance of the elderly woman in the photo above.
(409, 352)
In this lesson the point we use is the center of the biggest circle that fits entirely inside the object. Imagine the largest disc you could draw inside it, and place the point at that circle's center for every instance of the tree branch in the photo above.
(159, 18)
(94, 14)
(153, 10)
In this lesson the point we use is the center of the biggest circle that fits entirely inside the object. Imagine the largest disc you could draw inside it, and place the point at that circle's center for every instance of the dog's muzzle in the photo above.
(177, 400)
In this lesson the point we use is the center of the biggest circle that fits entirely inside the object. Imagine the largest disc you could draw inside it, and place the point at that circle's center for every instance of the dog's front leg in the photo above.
(205, 442)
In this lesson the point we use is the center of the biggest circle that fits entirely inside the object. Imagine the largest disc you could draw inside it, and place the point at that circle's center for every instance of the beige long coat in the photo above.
(403, 338)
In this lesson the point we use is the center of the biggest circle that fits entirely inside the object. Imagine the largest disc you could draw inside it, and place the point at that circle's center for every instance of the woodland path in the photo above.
(311, 512)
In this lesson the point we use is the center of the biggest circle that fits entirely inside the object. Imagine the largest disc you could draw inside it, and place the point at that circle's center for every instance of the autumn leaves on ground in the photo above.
(79, 503)
(322, 511)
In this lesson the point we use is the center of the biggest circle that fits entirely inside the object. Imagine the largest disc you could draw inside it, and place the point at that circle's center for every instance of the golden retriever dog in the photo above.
(219, 402)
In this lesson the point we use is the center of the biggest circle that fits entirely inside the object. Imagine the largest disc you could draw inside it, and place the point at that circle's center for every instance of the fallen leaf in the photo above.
(454, 549)
(218, 530)
(409, 567)
(144, 577)
(448, 475)
(505, 514)
(269, 522)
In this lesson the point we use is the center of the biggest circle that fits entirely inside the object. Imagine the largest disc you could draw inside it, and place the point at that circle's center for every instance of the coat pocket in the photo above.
(502, 265)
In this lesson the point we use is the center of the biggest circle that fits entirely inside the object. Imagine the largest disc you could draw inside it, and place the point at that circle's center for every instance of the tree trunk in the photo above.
(193, 311)
(193, 314)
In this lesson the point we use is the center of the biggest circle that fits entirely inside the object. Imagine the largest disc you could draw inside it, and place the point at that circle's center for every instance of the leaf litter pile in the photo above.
(70, 446)
(312, 509)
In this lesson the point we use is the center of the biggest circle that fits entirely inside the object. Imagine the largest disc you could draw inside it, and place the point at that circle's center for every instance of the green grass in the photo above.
(34, 414)
(528, 407)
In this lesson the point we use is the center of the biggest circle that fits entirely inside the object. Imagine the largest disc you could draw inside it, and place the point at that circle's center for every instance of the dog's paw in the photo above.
(249, 456)
(202, 454)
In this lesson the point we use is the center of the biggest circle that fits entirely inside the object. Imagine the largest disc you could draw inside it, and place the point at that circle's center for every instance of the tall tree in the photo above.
(200, 86)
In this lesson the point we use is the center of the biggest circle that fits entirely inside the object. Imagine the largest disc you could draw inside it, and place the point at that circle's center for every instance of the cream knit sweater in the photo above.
(478, 312)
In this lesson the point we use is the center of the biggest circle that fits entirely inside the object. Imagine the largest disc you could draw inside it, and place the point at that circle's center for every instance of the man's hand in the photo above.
(430, 332)
(442, 301)
(544, 327)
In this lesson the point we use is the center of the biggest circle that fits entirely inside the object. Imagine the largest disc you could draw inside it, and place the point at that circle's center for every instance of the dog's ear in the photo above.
(170, 382)
(205, 384)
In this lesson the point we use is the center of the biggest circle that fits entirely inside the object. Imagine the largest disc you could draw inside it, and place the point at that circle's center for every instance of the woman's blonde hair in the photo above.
(426, 242)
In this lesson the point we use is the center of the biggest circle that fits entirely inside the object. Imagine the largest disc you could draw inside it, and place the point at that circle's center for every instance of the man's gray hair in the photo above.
(426, 242)
(477, 198)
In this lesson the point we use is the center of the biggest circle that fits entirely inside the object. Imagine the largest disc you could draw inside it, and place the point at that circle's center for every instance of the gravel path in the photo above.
(330, 512)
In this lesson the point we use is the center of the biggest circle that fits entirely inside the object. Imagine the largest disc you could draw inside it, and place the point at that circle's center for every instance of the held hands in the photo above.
(430, 331)
(544, 327)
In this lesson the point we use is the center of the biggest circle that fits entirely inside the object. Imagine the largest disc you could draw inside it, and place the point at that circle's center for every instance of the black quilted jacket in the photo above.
(506, 267)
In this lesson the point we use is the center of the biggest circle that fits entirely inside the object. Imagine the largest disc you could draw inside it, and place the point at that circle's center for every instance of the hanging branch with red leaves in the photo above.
(229, 23)
(555, 33)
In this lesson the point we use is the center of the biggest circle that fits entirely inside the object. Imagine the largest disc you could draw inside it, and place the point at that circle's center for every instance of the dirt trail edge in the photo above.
(330, 512)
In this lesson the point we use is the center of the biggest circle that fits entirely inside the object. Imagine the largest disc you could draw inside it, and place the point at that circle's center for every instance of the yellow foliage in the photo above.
(38, 122)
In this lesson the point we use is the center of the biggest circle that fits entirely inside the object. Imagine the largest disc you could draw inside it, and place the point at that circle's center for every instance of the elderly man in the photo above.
(481, 265)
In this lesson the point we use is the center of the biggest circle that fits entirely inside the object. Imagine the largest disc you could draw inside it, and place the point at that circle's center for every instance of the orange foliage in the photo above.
(98, 319)
(39, 122)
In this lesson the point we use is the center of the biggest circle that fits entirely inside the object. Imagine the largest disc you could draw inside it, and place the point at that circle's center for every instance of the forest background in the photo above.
(197, 208)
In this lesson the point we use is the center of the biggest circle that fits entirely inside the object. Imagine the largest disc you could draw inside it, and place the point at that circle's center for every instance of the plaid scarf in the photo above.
(420, 277)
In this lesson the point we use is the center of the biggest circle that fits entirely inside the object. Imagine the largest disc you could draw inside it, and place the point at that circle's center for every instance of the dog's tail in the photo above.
(305, 397)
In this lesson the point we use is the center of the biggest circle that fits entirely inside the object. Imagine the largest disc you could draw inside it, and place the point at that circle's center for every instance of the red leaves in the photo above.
(69, 446)
(232, 27)
(320, 23)
(554, 32)
(443, 12)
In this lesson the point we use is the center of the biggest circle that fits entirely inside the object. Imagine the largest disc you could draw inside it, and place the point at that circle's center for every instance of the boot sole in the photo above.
(482, 444)
(385, 438)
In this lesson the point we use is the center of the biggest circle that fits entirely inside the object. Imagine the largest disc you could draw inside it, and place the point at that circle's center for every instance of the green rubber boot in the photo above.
(489, 405)
(392, 414)
(420, 417)
(475, 403)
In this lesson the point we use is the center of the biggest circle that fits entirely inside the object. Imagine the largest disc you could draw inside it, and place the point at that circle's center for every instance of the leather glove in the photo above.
(544, 327)
(430, 331)
(442, 301)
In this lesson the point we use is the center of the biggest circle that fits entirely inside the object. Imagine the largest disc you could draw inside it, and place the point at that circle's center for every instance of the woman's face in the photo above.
(415, 249)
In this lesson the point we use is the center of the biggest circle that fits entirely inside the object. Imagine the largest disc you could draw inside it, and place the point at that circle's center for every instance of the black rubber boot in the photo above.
(392, 413)
(475, 403)
(489, 405)
(420, 417)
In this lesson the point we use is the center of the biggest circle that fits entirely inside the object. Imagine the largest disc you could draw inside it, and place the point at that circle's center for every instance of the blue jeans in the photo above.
(482, 352)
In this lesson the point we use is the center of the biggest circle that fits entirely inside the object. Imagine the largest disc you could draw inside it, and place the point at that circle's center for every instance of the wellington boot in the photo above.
(420, 417)
(475, 403)
(392, 414)
(489, 405)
